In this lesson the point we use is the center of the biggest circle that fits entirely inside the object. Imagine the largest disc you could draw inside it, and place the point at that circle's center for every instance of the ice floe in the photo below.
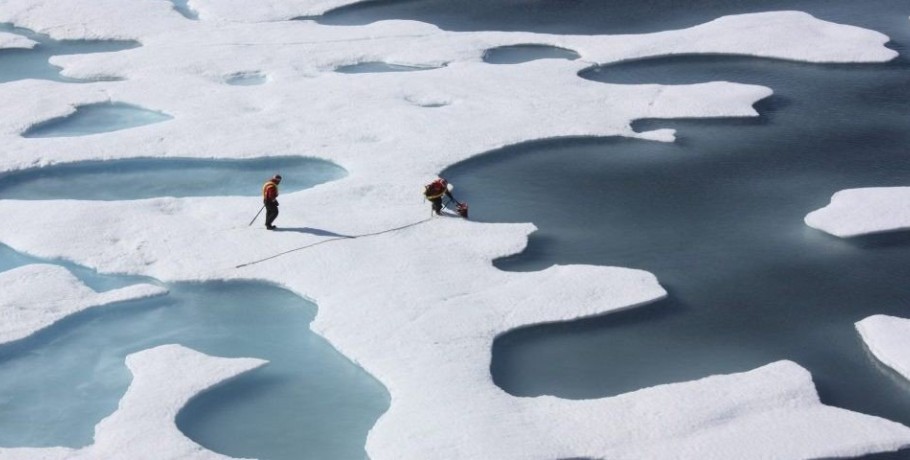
(415, 301)
(888, 338)
(862, 211)
(15, 41)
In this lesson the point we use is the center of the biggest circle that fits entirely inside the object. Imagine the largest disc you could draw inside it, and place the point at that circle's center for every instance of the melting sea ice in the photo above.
(716, 216)
(308, 402)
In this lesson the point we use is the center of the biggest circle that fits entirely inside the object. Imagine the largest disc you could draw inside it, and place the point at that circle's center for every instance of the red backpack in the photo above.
(435, 189)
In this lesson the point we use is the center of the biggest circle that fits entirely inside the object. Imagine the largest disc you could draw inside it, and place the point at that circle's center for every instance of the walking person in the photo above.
(270, 200)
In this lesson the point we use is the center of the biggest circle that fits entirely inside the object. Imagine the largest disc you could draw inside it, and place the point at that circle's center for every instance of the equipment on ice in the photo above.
(257, 215)
(462, 209)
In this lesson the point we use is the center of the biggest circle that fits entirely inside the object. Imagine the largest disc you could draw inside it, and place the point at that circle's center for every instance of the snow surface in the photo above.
(888, 338)
(862, 211)
(418, 307)
(10, 41)
(38, 295)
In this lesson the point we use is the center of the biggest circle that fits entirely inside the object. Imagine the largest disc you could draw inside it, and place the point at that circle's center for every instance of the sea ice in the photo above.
(417, 307)
(888, 338)
(13, 41)
(862, 211)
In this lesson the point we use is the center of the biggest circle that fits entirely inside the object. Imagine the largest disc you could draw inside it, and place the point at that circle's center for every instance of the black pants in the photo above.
(437, 204)
(271, 212)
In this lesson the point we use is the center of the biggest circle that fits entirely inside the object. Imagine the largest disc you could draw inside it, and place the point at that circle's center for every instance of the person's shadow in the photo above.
(312, 231)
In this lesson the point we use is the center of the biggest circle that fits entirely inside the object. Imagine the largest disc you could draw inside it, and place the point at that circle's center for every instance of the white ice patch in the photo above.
(888, 338)
(15, 41)
(37, 296)
(98, 19)
(862, 211)
(721, 417)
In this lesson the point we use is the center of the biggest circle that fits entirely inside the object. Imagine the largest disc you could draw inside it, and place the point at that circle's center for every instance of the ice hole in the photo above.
(379, 67)
(516, 54)
(96, 118)
(428, 101)
(246, 79)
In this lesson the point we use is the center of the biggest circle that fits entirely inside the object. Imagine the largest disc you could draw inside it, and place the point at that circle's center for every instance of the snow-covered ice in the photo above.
(419, 307)
(888, 338)
(15, 41)
(862, 211)
(36, 296)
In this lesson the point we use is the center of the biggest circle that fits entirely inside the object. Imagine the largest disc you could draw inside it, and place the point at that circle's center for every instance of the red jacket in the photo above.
(270, 191)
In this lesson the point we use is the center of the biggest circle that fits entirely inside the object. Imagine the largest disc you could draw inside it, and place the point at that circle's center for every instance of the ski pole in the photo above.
(257, 215)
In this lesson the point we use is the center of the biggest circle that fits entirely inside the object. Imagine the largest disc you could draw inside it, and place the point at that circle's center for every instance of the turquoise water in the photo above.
(133, 179)
(523, 53)
(19, 64)
(70, 376)
(10, 258)
(96, 118)
(309, 402)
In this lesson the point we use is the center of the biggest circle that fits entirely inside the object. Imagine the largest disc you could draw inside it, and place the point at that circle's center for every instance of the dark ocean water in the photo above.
(717, 215)
(604, 16)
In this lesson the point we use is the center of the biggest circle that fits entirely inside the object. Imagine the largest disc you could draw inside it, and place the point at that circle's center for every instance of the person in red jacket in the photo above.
(434, 191)
(270, 200)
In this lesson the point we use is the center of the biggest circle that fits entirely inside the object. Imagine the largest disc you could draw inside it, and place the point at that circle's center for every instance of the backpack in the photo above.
(435, 189)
